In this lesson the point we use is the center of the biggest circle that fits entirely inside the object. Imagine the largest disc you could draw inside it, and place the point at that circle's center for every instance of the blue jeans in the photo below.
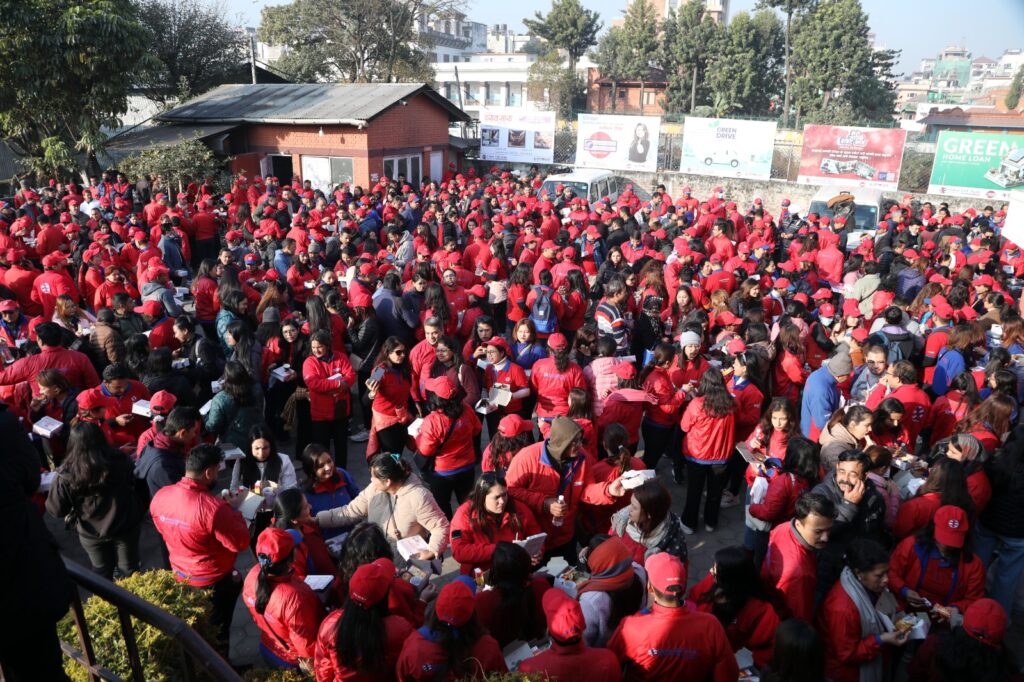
(1004, 558)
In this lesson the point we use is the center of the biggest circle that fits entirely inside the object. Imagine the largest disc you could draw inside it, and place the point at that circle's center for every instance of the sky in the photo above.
(919, 27)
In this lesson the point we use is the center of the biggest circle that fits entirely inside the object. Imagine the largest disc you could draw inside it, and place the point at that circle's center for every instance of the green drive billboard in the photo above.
(983, 165)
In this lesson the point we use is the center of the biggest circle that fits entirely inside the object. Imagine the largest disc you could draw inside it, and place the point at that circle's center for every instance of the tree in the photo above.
(177, 165)
(551, 82)
(195, 46)
(360, 41)
(568, 26)
(746, 73)
(639, 43)
(839, 78)
(64, 77)
(689, 38)
(792, 9)
(611, 59)
(1012, 98)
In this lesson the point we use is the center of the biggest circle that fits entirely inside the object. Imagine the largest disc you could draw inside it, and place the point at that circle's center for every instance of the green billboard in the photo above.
(984, 165)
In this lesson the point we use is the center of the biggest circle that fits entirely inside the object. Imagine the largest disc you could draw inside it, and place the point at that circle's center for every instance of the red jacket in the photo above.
(790, 573)
(674, 644)
(754, 627)
(552, 387)
(204, 290)
(451, 444)
(790, 376)
(422, 658)
(915, 513)
(104, 295)
(665, 412)
(689, 371)
(940, 582)
(74, 365)
(845, 649)
(324, 392)
(329, 669)
(491, 615)
(202, 532)
(564, 663)
(162, 335)
(779, 503)
(289, 624)
(749, 400)
(513, 376)
(421, 357)
(532, 478)
(916, 402)
(830, 262)
(624, 406)
(980, 489)
(473, 548)
(205, 225)
(19, 279)
(48, 286)
(707, 439)
(134, 391)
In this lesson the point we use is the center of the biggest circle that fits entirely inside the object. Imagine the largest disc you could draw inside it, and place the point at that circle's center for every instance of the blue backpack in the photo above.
(542, 312)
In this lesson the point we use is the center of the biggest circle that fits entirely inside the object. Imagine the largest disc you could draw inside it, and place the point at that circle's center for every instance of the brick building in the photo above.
(326, 133)
(626, 96)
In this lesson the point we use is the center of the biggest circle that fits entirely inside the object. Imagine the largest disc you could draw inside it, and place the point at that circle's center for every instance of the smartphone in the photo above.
(377, 374)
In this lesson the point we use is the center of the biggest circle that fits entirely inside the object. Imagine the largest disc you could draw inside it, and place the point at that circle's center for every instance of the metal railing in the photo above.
(197, 656)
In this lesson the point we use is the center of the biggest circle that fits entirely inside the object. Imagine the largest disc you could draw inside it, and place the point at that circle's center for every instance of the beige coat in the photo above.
(410, 511)
(107, 343)
(834, 442)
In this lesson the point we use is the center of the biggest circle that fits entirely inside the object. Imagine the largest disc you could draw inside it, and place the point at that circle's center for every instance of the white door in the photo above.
(317, 169)
(436, 163)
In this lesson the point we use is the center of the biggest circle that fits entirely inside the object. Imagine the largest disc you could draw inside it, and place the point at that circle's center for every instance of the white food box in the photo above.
(47, 427)
(283, 373)
(319, 583)
(216, 385)
(635, 479)
(181, 363)
(205, 409)
(142, 408)
(46, 480)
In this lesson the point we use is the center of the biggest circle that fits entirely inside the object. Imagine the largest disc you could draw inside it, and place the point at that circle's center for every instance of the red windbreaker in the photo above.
(754, 627)
(564, 662)
(552, 387)
(923, 570)
(422, 658)
(707, 439)
(473, 548)
(790, 573)
(451, 444)
(289, 624)
(845, 649)
(329, 669)
(326, 392)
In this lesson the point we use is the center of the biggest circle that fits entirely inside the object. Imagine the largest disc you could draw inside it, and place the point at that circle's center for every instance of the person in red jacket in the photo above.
(447, 435)
(569, 655)
(361, 642)
(75, 366)
(946, 484)
(936, 573)
(670, 641)
(708, 425)
(850, 619)
(798, 474)
(204, 292)
(663, 414)
(732, 593)
(203, 533)
(973, 651)
(451, 644)
(553, 377)
(553, 479)
(114, 282)
(328, 375)
(790, 568)
(486, 518)
(900, 382)
(52, 283)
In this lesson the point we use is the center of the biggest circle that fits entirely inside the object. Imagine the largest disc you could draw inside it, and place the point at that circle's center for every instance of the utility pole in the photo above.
(252, 56)
(458, 88)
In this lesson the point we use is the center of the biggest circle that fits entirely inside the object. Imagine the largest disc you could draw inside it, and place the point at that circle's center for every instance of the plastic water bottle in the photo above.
(557, 521)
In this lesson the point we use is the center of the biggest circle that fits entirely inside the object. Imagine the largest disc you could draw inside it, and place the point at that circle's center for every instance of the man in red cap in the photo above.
(75, 365)
(670, 641)
(54, 282)
(151, 212)
(19, 278)
(161, 325)
(569, 655)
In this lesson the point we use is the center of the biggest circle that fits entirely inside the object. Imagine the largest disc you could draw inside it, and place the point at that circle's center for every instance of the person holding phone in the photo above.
(388, 388)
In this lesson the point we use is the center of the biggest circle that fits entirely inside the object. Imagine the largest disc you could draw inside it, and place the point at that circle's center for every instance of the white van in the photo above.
(593, 184)
(866, 215)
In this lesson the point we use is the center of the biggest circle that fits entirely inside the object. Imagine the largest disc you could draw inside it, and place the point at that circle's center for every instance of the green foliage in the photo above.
(839, 78)
(1012, 98)
(195, 48)
(793, 10)
(564, 89)
(690, 39)
(610, 58)
(177, 165)
(64, 74)
(745, 75)
(268, 675)
(161, 661)
(568, 26)
(360, 41)
(512, 677)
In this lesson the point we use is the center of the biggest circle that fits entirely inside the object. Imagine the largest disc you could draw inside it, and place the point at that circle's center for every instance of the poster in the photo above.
(512, 135)
(618, 142)
(1013, 228)
(983, 165)
(727, 147)
(854, 157)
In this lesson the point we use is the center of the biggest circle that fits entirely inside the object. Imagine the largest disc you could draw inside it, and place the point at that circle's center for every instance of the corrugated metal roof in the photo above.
(312, 104)
(162, 136)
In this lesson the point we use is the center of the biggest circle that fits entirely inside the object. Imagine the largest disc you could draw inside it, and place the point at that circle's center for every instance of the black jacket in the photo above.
(105, 511)
(1003, 515)
(159, 467)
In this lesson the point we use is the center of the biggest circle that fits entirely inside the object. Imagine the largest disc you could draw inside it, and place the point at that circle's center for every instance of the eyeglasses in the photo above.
(398, 351)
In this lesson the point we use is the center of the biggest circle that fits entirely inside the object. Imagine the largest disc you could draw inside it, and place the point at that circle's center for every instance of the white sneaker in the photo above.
(686, 529)
(710, 529)
(360, 437)
(729, 500)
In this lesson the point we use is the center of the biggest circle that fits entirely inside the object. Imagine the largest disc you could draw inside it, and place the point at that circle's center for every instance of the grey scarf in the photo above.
(871, 623)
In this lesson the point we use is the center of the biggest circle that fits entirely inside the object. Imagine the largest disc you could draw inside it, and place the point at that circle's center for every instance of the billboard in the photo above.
(728, 147)
(517, 136)
(617, 142)
(984, 165)
(857, 157)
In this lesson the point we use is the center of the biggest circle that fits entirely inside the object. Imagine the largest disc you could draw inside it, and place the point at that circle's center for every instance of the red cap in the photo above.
(666, 573)
(726, 318)
(986, 621)
(782, 283)
(275, 544)
(568, 253)
(942, 310)
(498, 342)
(860, 334)
(456, 604)
(822, 294)
(735, 347)
(92, 398)
(549, 245)
(15, 254)
(743, 247)
(232, 235)
(422, 250)
(939, 279)
(984, 281)
(564, 614)
(162, 402)
(478, 232)
(910, 254)
(370, 582)
(7, 305)
(827, 310)
(951, 526)
(367, 269)
(558, 342)
(151, 308)
(851, 309)
(478, 291)
(802, 298)
(511, 425)
(625, 371)
(443, 387)
(592, 231)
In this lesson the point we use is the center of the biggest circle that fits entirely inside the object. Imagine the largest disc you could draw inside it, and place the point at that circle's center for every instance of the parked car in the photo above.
(593, 184)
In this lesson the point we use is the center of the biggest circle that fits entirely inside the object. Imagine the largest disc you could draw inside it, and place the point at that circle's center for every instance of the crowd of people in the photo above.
(859, 402)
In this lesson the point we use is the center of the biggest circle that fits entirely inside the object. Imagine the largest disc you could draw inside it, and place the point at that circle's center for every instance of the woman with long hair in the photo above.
(797, 654)
(647, 525)
(614, 590)
(771, 436)
(526, 348)
(888, 427)
(448, 362)
(518, 289)
(451, 644)
(292, 512)
(576, 299)
(953, 407)
(318, 317)
(94, 492)
(389, 410)
(946, 485)
(366, 342)
(957, 355)
(733, 594)
(512, 435)
(709, 428)
(286, 609)
(511, 609)
(287, 347)
(435, 304)
(72, 319)
(57, 400)
(328, 375)
(236, 409)
(661, 416)
(362, 640)
(245, 349)
(990, 421)
(446, 440)
(487, 517)
(204, 291)
(798, 474)
(1013, 336)
(847, 429)
(160, 376)
(789, 373)
(327, 485)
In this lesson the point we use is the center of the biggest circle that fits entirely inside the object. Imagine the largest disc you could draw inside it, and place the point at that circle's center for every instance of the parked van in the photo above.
(869, 209)
(593, 184)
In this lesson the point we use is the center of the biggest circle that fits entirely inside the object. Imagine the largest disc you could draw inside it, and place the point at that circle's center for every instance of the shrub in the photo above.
(267, 675)
(158, 653)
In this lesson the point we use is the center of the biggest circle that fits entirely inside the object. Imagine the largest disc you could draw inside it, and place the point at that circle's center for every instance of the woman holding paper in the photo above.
(388, 387)
(488, 517)
(503, 373)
